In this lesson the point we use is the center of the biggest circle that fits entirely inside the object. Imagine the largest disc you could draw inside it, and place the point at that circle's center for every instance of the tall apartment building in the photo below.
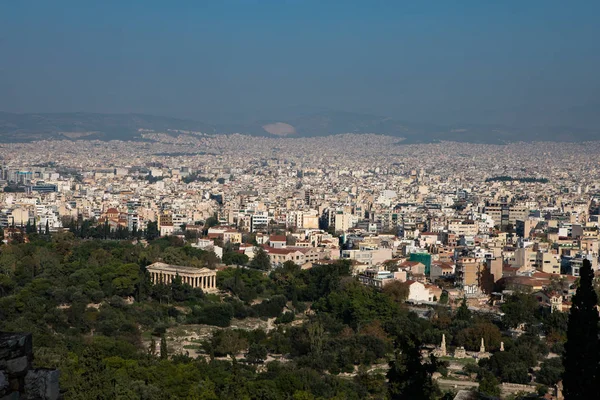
(504, 213)
(259, 219)
(165, 219)
(466, 228)
(525, 226)
(344, 221)
(548, 263)
(523, 258)
(467, 273)
(308, 195)
(490, 274)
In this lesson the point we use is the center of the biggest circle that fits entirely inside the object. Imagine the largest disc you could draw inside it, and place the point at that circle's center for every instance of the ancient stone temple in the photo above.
(460, 352)
(202, 278)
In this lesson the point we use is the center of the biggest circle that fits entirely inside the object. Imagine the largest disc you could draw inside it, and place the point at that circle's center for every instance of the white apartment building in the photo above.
(259, 219)
(368, 256)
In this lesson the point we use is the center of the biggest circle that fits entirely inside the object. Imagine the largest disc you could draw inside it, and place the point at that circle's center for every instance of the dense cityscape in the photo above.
(299, 200)
(477, 247)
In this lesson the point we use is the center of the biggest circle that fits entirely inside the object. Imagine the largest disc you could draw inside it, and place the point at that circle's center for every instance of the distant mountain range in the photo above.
(29, 127)
(88, 126)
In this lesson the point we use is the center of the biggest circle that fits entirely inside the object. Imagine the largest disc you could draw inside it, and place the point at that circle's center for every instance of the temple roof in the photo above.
(160, 266)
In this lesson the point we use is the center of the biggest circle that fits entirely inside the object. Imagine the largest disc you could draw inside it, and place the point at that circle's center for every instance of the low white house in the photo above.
(208, 245)
(419, 292)
(167, 229)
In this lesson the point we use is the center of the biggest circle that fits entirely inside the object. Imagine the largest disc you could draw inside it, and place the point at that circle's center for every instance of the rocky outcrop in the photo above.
(18, 379)
(41, 384)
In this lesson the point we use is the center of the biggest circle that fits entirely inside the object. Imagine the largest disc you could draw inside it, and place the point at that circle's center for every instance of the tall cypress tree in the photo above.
(261, 260)
(409, 378)
(463, 313)
(581, 350)
(163, 347)
(152, 348)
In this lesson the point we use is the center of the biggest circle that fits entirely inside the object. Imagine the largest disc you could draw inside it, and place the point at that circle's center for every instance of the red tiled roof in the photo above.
(442, 265)
(277, 238)
(409, 263)
(284, 250)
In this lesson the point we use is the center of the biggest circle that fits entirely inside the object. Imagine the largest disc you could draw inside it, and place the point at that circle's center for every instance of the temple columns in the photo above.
(204, 282)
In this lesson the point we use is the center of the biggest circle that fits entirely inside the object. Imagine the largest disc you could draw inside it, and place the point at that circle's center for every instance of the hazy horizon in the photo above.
(509, 63)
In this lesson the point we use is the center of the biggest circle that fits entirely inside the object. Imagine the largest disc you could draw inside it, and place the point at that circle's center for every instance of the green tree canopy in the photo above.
(519, 308)
(261, 260)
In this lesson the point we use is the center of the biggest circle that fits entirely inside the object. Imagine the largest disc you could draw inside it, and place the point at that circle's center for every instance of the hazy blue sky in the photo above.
(512, 62)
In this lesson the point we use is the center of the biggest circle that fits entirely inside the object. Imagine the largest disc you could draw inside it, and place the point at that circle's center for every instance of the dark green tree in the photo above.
(488, 384)
(211, 221)
(444, 297)
(152, 348)
(219, 314)
(152, 231)
(581, 349)
(93, 380)
(106, 229)
(179, 290)
(463, 313)
(234, 258)
(409, 377)
(261, 260)
(229, 342)
(519, 308)
(550, 372)
(257, 353)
